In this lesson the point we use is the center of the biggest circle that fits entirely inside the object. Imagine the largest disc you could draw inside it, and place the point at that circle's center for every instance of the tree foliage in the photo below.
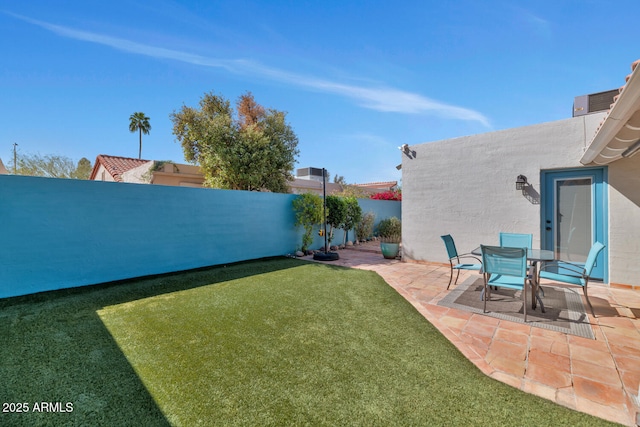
(309, 212)
(52, 166)
(252, 149)
(352, 217)
(140, 123)
(336, 214)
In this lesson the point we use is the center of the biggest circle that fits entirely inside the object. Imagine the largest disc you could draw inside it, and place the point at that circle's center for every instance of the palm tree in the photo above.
(139, 122)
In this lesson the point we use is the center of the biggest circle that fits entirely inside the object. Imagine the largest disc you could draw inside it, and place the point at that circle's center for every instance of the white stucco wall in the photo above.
(466, 187)
(624, 221)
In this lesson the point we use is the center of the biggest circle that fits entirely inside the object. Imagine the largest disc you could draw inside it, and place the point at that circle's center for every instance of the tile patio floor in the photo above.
(599, 377)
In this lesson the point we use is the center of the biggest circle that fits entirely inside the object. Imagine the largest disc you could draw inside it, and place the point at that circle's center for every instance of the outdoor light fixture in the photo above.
(633, 149)
(521, 182)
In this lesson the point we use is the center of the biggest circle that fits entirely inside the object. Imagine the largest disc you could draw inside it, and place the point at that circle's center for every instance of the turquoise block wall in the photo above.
(59, 233)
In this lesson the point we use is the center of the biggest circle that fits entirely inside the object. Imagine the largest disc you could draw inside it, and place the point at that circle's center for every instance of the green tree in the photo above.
(309, 211)
(83, 169)
(336, 214)
(140, 123)
(254, 149)
(339, 179)
(352, 217)
(51, 166)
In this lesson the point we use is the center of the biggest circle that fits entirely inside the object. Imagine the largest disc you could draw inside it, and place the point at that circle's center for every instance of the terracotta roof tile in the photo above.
(115, 165)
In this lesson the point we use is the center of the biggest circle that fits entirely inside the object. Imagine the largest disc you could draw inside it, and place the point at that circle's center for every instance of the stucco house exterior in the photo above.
(582, 185)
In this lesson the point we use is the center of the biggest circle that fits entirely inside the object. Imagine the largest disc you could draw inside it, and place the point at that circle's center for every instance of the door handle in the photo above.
(548, 228)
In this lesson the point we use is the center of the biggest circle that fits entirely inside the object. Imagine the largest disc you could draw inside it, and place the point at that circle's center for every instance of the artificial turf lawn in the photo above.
(268, 342)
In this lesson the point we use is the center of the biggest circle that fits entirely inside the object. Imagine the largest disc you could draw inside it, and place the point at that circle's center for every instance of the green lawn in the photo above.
(269, 342)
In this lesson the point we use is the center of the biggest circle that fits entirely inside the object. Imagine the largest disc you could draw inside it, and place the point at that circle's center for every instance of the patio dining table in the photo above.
(535, 258)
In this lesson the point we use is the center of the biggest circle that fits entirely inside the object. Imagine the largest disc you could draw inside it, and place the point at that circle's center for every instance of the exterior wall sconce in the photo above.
(633, 149)
(521, 182)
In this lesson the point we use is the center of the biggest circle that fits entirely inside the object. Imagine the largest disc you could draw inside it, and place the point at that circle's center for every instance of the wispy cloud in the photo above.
(380, 98)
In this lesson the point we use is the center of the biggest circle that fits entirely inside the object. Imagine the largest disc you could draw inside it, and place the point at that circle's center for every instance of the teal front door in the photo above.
(574, 215)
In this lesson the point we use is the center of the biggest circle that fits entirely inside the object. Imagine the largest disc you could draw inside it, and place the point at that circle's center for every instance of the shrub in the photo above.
(364, 229)
(390, 230)
(388, 195)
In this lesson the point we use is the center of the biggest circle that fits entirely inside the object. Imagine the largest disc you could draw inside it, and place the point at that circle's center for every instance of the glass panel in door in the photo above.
(573, 219)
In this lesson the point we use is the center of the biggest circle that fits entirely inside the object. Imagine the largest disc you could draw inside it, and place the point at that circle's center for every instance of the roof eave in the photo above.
(599, 150)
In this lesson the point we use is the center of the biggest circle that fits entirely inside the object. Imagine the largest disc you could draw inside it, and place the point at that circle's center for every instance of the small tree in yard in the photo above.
(336, 214)
(364, 229)
(352, 217)
(308, 208)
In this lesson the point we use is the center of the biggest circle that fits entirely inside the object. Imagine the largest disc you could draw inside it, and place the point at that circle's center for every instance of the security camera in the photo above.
(404, 147)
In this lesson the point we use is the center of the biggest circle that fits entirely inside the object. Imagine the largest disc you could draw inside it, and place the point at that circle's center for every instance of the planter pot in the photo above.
(390, 250)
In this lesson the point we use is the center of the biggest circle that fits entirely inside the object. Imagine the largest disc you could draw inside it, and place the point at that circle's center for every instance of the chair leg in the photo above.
(486, 291)
(587, 297)
(524, 292)
(451, 275)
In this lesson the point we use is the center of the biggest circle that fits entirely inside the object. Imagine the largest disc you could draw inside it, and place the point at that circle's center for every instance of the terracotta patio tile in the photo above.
(631, 381)
(547, 375)
(541, 343)
(508, 365)
(595, 372)
(552, 361)
(626, 339)
(485, 320)
(476, 328)
(621, 349)
(566, 397)
(560, 346)
(599, 345)
(437, 310)
(479, 342)
(453, 322)
(459, 314)
(596, 357)
(516, 327)
(602, 411)
(541, 390)
(505, 349)
(540, 332)
(626, 363)
(598, 392)
(512, 380)
(511, 336)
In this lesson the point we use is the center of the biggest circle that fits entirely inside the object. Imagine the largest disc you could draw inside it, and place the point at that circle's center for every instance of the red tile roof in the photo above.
(115, 165)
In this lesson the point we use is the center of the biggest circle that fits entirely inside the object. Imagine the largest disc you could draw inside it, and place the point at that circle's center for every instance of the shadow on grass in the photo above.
(55, 349)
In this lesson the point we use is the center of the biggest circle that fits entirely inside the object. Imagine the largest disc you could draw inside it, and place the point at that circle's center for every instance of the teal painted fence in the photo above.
(59, 233)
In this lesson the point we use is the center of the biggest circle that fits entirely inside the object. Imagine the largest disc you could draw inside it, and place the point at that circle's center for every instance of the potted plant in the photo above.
(390, 233)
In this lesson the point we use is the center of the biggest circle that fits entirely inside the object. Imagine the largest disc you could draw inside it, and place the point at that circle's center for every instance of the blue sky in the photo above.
(357, 78)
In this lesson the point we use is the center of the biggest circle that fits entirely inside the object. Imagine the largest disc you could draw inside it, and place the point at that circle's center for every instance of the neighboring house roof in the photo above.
(3, 170)
(115, 165)
(620, 128)
(387, 185)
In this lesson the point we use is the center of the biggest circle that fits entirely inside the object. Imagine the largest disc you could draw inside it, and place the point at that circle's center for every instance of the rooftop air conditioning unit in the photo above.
(310, 173)
(593, 103)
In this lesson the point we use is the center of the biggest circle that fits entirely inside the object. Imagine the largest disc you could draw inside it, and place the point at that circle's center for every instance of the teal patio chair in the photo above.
(505, 267)
(578, 274)
(453, 254)
(516, 240)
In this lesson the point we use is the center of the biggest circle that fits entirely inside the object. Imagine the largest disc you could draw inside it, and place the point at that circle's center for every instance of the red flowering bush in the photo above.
(388, 195)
